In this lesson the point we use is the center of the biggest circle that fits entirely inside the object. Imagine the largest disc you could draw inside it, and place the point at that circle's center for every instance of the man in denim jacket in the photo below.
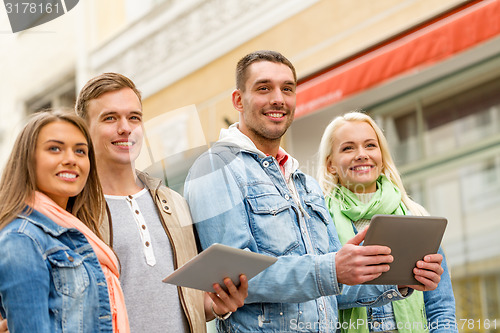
(248, 193)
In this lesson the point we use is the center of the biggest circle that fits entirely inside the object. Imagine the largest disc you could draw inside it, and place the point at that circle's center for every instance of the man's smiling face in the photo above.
(115, 124)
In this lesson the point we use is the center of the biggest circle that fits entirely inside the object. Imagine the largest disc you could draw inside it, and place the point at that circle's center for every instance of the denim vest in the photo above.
(50, 279)
(241, 199)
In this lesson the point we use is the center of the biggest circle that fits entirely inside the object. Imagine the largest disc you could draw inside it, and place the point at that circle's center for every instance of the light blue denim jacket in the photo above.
(440, 304)
(439, 308)
(239, 197)
(50, 279)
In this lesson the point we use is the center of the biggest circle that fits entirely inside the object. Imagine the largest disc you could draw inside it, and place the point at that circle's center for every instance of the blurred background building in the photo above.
(428, 71)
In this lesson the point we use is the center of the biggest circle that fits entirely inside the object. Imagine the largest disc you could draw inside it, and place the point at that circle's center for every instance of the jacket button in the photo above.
(166, 207)
(130, 197)
(136, 211)
(71, 259)
(143, 227)
(164, 201)
(147, 244)
(265, 164)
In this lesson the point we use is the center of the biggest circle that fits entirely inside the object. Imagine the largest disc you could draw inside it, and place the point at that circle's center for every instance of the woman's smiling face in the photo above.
(356, 158)
(61, 161)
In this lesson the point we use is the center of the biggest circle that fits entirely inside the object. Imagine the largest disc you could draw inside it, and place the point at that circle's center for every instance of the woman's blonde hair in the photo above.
(329, 181)
(18, 182)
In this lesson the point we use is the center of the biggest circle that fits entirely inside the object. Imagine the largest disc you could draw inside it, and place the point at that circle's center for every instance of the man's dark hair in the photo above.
(263, 55)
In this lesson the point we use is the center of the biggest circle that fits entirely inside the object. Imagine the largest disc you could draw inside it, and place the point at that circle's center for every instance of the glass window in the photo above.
(469, 197)
(401, 131)
(462, 119)
(492, 286)
(482, 181)
(406, 147)
(62, 95)
(477, 305)
(416, 192)
(443, 199)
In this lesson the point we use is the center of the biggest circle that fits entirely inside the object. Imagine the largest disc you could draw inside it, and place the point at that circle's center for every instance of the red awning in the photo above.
(419, 49)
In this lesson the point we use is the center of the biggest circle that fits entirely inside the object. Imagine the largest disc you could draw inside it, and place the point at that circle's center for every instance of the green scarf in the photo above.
(345, 208)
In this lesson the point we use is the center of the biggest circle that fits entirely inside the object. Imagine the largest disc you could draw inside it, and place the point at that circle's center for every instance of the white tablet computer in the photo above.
(216, 263)
(410, 238)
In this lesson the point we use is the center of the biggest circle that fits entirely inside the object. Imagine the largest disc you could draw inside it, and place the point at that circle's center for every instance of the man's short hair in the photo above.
(100, 85)
(263, 55)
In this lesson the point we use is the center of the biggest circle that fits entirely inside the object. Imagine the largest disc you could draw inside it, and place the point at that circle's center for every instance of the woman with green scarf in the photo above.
(359, 179)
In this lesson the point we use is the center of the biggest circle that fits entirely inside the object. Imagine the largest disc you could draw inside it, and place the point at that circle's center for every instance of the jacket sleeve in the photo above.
(220, 216)
(440, 303)
(24, 284)
(369, 296)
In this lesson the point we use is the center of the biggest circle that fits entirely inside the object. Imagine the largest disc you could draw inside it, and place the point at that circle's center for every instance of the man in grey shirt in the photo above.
(150, 227)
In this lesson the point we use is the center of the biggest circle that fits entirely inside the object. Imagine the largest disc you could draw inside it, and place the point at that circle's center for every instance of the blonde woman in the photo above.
(359, 179)
(56, 274)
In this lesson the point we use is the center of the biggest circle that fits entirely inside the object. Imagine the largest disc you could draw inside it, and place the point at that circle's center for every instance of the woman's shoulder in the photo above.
(30, 236)
(20, 236)
(32, 224)
(21, 225)
(18, 224)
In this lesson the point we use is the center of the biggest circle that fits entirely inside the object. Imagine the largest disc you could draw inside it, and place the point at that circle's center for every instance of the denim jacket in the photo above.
(440, 303)
(50, 279)
(239, 197)
(439, 309)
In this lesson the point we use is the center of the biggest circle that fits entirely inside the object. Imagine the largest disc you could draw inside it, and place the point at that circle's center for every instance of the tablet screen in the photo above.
(216, 263)
(410, 238)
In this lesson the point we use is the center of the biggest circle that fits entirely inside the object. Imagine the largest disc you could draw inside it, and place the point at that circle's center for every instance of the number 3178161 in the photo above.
(33, 8)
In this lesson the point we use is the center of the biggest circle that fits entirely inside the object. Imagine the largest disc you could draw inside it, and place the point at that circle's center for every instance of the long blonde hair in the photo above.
(329, 182)
(18, 182)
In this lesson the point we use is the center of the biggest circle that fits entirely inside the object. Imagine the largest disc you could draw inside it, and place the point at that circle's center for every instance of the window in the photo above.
(477, 303)
(59, 96)
(463, 119)
(402, 134)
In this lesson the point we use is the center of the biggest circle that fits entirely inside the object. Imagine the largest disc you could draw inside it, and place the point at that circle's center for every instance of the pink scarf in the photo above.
(106, 257)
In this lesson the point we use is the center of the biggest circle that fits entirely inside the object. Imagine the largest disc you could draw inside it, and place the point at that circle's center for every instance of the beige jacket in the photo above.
(176, 220)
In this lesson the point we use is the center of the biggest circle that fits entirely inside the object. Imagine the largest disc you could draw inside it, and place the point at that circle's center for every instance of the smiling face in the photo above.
(61, 161)
(356, 158)
(267, 104)
(115, 125)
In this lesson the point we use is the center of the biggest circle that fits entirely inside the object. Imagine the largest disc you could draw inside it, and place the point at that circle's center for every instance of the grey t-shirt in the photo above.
(145, 255)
